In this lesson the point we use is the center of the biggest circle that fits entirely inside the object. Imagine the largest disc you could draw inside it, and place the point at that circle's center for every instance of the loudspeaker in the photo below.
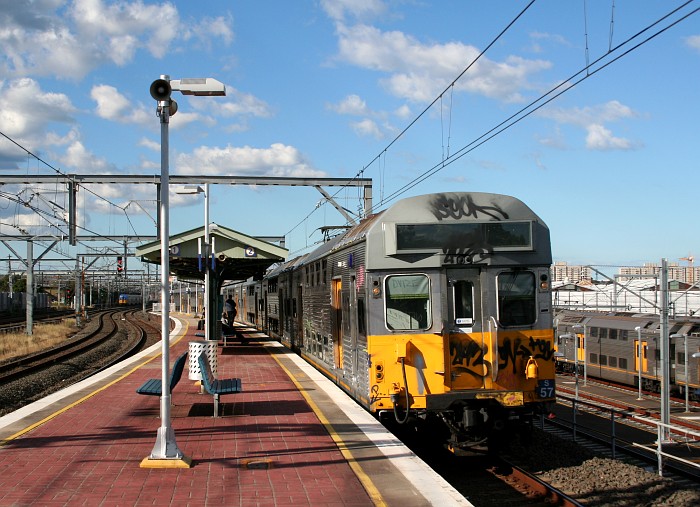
(160, 89)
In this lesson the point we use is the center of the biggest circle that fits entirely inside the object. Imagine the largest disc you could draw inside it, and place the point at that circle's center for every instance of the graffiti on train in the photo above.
(469, 356)
(538, 348)
(459, 256)
(444, 206)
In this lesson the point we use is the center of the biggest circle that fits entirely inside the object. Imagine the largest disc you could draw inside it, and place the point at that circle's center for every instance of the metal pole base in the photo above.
(165, 453)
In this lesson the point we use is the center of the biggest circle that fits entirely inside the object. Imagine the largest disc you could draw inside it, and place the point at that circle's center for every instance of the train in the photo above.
(606, 346)
(130, 299)
(435, 312)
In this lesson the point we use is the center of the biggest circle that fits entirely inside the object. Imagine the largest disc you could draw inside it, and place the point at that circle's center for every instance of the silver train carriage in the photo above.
(605, 345)
(436, 309)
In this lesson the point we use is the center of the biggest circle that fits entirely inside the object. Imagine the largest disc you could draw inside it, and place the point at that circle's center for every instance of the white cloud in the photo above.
(48, 38)
(25, 109)
(592, 120)
(240, 104)
(158, 24)
(419, 72)
(367, 127)
(600, 138)
(351, 105)
(151, 145)
(112, 105)
(693, 42)
(277, 160)
(80, 159)
(340, 9)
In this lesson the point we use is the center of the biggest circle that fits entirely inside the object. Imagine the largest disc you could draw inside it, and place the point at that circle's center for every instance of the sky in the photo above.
(585, 110)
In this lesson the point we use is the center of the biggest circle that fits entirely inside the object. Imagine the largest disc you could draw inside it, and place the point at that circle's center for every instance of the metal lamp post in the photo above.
(685, 355)
(196, 189)
(165, 452)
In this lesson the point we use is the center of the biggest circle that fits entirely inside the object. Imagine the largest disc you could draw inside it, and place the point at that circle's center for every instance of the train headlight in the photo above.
(544, 282)
(379, 372)
(376, 288)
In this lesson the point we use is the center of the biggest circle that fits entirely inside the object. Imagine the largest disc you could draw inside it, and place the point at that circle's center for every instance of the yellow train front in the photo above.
(436, 309)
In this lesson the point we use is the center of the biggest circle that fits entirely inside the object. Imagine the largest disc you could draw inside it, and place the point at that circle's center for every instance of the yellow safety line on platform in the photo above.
(369, 486)
(86, 397)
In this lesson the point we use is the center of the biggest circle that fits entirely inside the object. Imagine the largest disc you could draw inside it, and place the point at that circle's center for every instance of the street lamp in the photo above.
(584, 344)
(573, 337)
(196, 189)
(639, 344)
(685, 356)
(165, 452)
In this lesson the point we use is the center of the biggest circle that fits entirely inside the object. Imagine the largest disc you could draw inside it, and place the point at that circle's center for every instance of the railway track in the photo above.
(107, 339)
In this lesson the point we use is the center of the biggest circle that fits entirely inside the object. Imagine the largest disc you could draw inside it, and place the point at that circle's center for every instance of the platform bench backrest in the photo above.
(154, 386)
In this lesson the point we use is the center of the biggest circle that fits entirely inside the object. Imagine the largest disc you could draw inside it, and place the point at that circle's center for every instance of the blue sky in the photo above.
(324, 87)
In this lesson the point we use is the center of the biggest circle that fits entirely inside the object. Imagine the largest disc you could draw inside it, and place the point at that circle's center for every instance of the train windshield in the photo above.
(407, 302)
(517, 298)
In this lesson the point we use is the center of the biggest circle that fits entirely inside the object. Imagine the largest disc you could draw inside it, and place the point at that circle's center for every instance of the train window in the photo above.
(603, 333)
(612, 361)
(361, 327)
(324, 269)
(516, 298)
(463, 293)
(593, 358)
(603, 360)
(612, 334)
(622, 334)
(623, 363)
(593, 332)
(499, 236)
(407, 302)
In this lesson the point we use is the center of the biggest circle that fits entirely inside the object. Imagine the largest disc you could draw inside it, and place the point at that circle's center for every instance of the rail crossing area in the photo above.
(289, 437)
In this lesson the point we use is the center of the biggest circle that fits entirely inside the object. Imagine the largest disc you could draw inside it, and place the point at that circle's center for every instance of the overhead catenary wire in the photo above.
(427, 108)
(524, 112)
(546, 98)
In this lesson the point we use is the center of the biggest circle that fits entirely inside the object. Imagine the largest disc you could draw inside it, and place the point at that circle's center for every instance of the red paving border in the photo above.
(268, 449)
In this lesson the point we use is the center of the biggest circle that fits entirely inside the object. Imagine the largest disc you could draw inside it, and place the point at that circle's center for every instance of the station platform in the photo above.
(291, 437)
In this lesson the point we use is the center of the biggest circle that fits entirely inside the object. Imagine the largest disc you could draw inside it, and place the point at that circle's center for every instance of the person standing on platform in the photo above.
(230, 311)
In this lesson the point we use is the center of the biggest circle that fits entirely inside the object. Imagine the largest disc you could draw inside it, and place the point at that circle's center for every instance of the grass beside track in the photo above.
(43, 336)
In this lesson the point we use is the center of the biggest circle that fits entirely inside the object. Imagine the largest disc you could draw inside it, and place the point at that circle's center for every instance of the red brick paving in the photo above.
(269, 448)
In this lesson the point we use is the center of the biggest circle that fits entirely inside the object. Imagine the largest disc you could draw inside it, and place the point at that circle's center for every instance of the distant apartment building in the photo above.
(688, 274)
(563, 272)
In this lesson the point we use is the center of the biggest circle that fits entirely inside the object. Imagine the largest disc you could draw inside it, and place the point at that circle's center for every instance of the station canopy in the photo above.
(237, 256)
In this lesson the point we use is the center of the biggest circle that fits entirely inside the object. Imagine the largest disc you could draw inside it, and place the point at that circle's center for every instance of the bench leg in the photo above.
(216, 405)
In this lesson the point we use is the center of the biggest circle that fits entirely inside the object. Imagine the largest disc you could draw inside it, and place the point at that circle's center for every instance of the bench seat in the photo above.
(154, 386)
(216, 387)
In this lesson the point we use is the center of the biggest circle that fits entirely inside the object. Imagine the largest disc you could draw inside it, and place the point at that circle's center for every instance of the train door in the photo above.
(337, 322)
(466, 362)
(580, 348)
(644, 356)
(351, 318)
(299, 314)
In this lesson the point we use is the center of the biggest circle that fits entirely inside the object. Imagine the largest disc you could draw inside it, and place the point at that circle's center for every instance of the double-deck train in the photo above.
(437, 309)
(130, 299)
(606, 345)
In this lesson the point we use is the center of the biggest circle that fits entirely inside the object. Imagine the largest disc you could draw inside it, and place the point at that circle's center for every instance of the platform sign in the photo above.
(175, 250)
(250, 252)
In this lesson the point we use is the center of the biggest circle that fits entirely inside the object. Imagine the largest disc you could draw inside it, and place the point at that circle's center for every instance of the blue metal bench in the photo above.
(154, 387)
(214, 386)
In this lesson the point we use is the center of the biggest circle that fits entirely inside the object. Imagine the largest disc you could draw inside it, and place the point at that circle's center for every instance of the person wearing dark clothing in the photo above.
(229, 311)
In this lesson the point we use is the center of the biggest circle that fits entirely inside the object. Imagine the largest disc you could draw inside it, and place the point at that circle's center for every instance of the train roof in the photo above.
(442, 208)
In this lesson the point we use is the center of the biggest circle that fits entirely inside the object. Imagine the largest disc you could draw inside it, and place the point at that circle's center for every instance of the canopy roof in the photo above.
(237, 255)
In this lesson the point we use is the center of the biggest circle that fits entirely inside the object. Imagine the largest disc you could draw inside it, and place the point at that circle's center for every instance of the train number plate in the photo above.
(545, 388)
